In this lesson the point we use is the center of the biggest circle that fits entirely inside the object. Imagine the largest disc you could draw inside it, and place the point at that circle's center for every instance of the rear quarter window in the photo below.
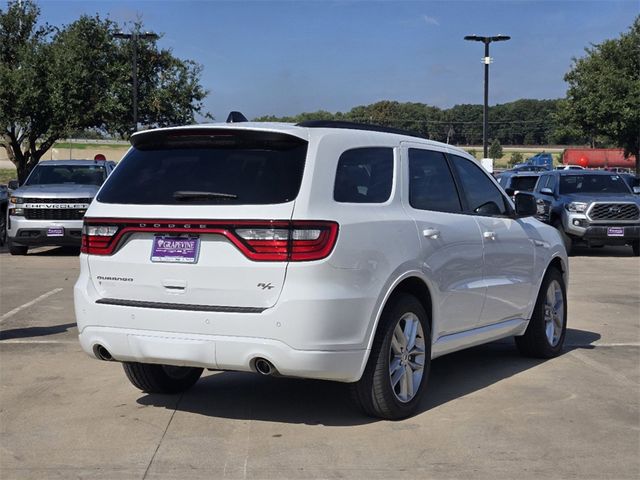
(364, 175)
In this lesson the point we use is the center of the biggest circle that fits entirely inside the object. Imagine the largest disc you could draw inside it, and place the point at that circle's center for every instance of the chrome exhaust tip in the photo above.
(102, 353)
(264, 367)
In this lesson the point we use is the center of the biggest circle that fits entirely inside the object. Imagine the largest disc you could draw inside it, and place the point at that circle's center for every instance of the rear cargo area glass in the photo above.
(245, 168)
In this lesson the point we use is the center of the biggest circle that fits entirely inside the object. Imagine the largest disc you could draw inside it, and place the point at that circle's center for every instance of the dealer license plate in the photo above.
(175, 249)
(615, 232)
(55, 232)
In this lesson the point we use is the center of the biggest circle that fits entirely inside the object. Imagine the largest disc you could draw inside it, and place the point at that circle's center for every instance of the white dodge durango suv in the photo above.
(323, 250)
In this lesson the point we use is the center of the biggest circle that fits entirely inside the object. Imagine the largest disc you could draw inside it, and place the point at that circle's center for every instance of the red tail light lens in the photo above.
(274, 241)
(97, 238)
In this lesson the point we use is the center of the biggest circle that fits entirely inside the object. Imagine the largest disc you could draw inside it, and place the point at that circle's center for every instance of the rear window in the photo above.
(209, 168)
(524, 184)
(364, 175)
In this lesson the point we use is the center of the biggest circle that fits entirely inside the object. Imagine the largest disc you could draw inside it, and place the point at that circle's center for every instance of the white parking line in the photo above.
(38, 342)
(28, 304)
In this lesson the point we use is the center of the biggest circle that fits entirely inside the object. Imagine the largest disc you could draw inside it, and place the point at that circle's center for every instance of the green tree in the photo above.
(495, 150)
(603, 97)
(516, 158)
(54, 81)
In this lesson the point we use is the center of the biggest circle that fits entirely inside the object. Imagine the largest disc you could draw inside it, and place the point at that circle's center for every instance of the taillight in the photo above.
(271, 241)
(97, 239)
(300, 241)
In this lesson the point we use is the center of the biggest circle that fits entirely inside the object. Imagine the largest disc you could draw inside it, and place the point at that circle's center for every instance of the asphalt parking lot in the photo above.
(489, 413)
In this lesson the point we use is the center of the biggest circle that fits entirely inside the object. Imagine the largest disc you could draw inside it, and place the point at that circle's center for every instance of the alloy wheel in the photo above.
(406, 357)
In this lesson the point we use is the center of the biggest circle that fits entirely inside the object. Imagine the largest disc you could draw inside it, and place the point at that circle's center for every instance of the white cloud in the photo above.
(430, 20)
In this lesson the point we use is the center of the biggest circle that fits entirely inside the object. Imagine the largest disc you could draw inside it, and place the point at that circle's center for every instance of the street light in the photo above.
(486, 60)
(134, 37)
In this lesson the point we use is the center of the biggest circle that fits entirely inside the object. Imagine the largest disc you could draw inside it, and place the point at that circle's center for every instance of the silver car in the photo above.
(48, 208)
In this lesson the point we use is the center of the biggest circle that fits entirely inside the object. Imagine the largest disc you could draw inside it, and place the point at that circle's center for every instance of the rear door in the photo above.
(197, 218)
(451, 240)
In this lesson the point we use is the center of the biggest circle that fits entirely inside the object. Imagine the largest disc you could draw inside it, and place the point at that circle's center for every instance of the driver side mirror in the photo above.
(636, 190)
(546, 191)
(13, 185)
(526, 205)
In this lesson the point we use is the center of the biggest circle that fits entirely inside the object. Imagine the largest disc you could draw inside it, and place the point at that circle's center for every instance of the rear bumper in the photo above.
(323, 337)
(221, 352)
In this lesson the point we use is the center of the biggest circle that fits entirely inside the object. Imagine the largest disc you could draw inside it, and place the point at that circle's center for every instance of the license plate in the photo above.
(175, 249)
(615, 232)
(55, 232)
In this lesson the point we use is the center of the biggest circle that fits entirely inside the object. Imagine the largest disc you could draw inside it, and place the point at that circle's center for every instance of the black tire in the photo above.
(534, 342)
(566, 239)
(374, 393)
(636, 248)
(152, 378)
(18, 249)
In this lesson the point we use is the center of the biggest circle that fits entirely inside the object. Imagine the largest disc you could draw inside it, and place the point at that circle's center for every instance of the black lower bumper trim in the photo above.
(600, 234)
(37, 237)
(179, 306)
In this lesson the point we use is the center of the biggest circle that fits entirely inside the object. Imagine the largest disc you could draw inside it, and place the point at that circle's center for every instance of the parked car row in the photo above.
(324, 250)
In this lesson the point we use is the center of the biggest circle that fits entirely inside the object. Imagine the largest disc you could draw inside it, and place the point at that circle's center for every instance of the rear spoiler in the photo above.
(198, 137)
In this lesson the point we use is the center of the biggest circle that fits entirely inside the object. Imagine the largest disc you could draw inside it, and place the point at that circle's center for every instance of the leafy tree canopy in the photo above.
(526, 121)
(603, 97)
(55, 81)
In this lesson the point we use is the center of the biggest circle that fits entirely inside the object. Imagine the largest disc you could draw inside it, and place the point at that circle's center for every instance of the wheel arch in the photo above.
(559, 264)
(413, 283)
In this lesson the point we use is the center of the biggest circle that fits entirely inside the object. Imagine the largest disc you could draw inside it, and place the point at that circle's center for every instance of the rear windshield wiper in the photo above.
(189, 195)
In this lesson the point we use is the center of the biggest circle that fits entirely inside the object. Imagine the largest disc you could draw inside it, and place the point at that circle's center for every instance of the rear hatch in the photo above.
(200, 219)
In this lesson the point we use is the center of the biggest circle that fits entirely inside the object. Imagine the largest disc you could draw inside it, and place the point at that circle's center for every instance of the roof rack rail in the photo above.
(356, 126)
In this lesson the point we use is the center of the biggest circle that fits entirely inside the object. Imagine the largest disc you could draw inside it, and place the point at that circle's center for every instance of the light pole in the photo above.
(486, 60)
(134, 37)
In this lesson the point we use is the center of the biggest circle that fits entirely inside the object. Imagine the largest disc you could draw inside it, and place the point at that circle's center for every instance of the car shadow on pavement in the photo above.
(29, 332)
(245, 396)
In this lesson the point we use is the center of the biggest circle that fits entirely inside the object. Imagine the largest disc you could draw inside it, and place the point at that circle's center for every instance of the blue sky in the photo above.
(283, 57)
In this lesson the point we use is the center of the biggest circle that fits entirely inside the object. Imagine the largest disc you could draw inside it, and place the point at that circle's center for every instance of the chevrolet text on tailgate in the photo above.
(324, 250)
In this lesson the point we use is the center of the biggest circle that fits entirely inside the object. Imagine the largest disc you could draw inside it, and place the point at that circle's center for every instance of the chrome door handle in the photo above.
(489, 235)
(431, 233)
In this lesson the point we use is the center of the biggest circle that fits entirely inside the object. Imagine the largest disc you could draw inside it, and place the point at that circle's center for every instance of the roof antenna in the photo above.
(236, 117)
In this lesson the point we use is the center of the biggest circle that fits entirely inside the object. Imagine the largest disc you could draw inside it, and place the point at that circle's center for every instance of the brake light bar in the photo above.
(275, 240)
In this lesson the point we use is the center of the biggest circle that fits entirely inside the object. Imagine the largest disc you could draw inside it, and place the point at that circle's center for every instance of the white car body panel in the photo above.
(320, 319)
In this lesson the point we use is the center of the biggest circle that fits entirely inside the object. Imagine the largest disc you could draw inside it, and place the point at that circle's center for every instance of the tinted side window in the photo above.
(364, 175)
(524, 184)
(551, 183)
(431, 185)
(542, 182)
(483, 197)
